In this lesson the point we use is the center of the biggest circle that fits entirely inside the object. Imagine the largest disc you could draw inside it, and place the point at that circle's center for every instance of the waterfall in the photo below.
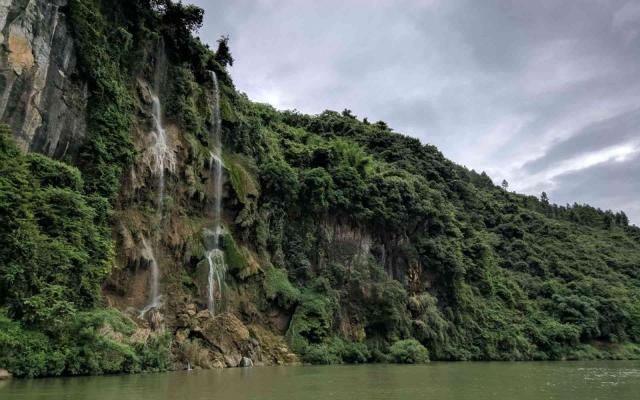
(162, 159)
(215, 255)
(155, 297)
(162, 156)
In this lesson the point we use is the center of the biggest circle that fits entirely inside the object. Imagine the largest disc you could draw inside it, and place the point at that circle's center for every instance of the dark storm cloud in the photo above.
(530, 91)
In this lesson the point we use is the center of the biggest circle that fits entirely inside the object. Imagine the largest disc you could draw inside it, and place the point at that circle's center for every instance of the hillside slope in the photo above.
(340, 240)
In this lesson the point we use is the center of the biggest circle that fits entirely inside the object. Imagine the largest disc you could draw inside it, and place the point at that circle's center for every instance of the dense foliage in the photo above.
(55, 252)
(485, 273)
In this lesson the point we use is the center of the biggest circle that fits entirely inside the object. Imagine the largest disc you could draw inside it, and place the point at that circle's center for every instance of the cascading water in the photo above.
(147, 252)
(162, 159)
(215, 255)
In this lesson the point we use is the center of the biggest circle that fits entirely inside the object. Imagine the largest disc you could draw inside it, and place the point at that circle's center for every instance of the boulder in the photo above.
(4, 374)
(229, 336)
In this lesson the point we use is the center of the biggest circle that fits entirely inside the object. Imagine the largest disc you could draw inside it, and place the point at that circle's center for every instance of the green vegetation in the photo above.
(478, 272)
(337, 351)
(92, 342)
(372, 245)
(108, 150)
(277, 287)
(56, 251)
(409, 351)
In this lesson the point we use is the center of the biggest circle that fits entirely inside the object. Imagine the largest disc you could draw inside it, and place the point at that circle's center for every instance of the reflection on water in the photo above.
(600, 380)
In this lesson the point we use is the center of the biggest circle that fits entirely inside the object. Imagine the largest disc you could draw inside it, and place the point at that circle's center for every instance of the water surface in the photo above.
(617, 380)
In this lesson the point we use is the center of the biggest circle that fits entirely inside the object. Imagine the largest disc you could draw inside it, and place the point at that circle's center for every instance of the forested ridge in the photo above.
(446, 265)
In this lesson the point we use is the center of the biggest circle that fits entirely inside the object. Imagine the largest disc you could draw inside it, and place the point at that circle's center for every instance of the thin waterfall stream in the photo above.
(215, 255)
(162, 159)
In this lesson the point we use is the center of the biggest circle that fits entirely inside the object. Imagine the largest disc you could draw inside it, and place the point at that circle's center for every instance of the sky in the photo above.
(544, 94)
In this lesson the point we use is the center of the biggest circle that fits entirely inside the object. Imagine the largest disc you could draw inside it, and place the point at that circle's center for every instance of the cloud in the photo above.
(614, 182)
(525, 90)
(619, 132)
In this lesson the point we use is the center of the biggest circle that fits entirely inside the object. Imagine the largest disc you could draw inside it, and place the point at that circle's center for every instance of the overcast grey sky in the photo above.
(544, 93)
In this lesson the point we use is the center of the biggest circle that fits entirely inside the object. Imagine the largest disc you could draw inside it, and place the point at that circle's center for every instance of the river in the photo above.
(602, 380)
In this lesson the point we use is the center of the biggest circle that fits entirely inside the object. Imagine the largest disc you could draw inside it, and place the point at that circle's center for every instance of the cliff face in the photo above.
(41, 97)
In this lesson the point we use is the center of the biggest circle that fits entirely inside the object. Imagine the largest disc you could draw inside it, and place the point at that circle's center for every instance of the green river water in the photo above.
(616, 380)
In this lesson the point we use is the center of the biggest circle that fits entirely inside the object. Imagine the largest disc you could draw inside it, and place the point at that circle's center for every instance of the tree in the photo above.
(187, 17)
(622, 219)
(223, 54)
(544, 198)
(382, 125)
(505, 184)
(608, 220)
(279, 182)
(317, 189)
(348, 113)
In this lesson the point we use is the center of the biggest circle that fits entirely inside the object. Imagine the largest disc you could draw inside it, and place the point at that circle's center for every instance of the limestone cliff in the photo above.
(41, 97)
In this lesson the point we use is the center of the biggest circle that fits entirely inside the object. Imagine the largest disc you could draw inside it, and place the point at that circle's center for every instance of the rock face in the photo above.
(41, 97)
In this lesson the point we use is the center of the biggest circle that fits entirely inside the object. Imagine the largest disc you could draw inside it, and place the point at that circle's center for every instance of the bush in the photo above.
(312, 321)
(336, 350)
(94, 342)
(27, 353)
(277, 287)
(409, 351)
(356, 353)
(321, 354)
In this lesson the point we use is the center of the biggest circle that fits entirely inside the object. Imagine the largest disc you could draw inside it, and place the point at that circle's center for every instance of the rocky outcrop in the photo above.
(229, 336)
(344, 244)
(354, 246)
(228, 341)
(41, 97)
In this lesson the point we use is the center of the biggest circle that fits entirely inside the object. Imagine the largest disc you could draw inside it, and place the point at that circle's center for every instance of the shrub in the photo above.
(92, 342)
(27, 353)
(356, 353)
(312, 321)
(321, 354)
(277, 287)
(409, 351)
